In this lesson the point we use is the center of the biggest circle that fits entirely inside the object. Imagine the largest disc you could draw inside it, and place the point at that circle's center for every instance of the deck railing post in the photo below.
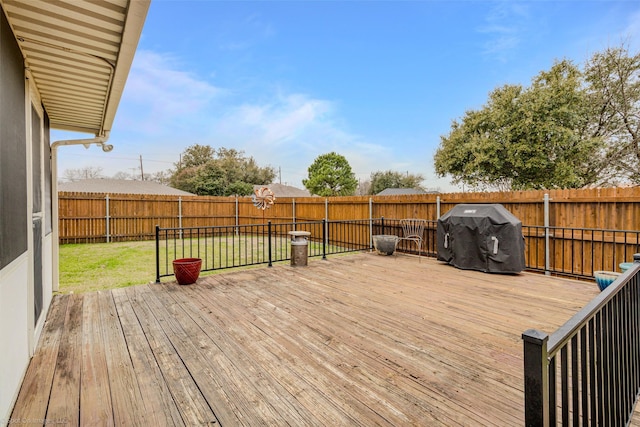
(324, 238)
(326, 217)
(547, 248)
(269, 243)
(157, 253)
(382, 225)
(536, 378)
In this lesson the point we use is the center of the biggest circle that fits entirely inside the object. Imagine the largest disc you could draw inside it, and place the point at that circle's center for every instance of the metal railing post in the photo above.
(382, 224)
(547, 247)
(269, 243)
(326, 216)
(370, 223)
(157, 253)
(325, 227)
(536, 378)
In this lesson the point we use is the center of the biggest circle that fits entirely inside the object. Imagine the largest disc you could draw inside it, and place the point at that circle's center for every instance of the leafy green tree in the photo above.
(330, 175)
(224, 172)
(525, 138)
(390, 179)
(195, 155)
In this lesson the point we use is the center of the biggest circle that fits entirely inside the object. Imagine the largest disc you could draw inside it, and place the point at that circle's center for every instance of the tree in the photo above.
(525, 138)
(123, 175)
(195, 155)
(390, 179)
(364, 188)
(88, 172)
(330, 175)
(613, 78)
(161, 177)
(224, 172)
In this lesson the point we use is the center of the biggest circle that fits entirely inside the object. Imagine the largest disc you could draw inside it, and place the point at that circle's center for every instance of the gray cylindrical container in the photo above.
(299, 247)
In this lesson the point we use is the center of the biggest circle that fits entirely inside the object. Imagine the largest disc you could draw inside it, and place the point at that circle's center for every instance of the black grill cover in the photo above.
(484, 237)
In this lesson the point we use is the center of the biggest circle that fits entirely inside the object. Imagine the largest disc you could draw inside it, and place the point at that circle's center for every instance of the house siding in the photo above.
(19, 328)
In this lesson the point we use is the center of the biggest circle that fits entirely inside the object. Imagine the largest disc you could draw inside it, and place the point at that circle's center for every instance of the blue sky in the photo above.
(376, 81)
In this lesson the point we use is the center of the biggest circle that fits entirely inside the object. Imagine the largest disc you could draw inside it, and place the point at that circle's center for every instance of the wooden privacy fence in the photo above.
(573, 232)
(93, 217)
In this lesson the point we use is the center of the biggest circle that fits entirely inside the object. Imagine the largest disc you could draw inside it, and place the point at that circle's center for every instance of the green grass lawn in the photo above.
(99, 266)
(92, 267)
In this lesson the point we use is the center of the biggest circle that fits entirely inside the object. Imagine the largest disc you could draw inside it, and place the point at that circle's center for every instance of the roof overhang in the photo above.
(78, 53)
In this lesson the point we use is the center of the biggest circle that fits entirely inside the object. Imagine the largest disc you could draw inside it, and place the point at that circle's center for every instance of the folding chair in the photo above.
(413, 230)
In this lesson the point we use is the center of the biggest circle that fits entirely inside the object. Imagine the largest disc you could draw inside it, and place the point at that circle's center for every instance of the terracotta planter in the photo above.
(187, 270)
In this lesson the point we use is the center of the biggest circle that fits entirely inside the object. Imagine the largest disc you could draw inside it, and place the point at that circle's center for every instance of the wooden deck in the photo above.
(354, 340)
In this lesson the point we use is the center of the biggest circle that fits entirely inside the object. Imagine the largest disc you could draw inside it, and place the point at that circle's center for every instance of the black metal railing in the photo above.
(578, 252)
(222, 247)
(588, 371)
(571, 252)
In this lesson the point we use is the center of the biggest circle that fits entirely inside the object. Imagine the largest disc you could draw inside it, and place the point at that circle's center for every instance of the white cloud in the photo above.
(165, 109)
(282, 120)
(632, 31)
(503, 29)
(159, 92)
(290, 130)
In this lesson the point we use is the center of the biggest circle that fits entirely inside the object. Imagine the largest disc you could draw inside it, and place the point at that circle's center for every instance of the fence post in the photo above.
(157, 253)
(547, 248)
(536, 378)
(293, 212)
(370, 223)
(107, 218)
(437, 207)
(325, 227)
(180, 215)
(237, 218)
(269, 244)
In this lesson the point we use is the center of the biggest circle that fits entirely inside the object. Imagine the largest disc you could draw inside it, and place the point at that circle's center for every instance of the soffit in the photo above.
(78, 53)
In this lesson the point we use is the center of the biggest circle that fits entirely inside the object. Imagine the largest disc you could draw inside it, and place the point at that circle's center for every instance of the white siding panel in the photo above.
(14, 332)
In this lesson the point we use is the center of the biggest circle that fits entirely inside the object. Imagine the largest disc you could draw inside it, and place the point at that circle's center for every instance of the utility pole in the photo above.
(141, 170)
(280, 174)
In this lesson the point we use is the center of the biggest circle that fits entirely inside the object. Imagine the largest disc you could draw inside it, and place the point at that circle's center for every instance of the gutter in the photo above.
(98, 140)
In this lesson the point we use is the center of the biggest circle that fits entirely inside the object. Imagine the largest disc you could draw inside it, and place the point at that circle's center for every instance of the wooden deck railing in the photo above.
(588, 371)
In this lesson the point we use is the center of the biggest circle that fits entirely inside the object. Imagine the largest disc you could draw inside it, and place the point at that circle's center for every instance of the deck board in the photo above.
(34, 396)
(353, 340)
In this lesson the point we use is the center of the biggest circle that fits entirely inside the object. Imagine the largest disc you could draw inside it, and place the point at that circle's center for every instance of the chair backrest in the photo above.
(413, 227)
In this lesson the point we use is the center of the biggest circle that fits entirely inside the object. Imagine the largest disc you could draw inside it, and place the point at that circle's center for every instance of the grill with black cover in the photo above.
(484, 237)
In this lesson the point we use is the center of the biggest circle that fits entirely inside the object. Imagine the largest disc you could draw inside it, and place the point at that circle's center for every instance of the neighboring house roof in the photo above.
(280, 190)
(120, 186)
(400, 191)
(78, 54)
